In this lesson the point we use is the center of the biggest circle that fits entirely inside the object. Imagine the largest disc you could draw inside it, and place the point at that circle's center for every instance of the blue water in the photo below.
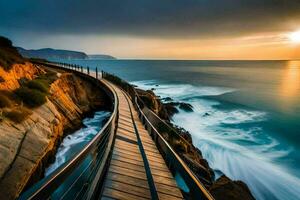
(246, 118)
(74, 142)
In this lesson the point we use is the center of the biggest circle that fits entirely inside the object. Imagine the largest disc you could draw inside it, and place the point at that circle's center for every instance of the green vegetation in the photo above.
(17, 114)
(48, 78)
(38, 84)
(9, 55)
(33, 93)
(5, 101)
(31, 97)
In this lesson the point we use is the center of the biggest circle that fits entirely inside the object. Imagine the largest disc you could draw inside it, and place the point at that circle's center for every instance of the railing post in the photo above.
(81, 69)
(88, 70)
(96, 72)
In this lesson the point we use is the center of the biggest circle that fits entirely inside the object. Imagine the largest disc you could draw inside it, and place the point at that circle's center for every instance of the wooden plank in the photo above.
(127, 156)
(123, 143)
(164, 180)
(163, 196)
(126, 128)
(126, 179)
(121, 151)
(161, 173)
(126, 124)
(140, 163)
(126, 149)
(128, 165)
(121, 117)
(125, 118)
(125, 187)
(174, 191)
(112, 193)
(151, 149)
(126, 131)
(148, 144)
(126, 144)
(159, 168)
(154, 159)
(131, 137)
(122, 131)
(151, 154)
(127, 172)
(125, 113)
(126, 175)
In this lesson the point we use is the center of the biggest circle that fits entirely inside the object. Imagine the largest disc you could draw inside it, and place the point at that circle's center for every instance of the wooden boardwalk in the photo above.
(130, 174)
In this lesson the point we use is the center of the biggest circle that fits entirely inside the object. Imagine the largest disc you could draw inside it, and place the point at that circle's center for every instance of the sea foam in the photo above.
(232, 140)
(72, 143)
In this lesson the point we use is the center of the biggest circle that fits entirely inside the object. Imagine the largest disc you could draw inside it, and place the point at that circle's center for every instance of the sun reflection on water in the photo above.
(291, 80)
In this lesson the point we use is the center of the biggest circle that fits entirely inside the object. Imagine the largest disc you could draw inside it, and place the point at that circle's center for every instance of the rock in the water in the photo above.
(171, 109)
(186, 107)
(205, 114)
(171, 106)
(167, 99)
(226, 189)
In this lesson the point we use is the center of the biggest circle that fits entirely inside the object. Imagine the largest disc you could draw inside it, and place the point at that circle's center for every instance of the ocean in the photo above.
(246, 118)
(73, 143)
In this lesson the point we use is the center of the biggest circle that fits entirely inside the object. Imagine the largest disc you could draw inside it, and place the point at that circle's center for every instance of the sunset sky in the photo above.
(165, 29)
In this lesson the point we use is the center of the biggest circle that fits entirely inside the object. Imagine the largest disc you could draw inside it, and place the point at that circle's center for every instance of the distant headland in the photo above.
(49, 53)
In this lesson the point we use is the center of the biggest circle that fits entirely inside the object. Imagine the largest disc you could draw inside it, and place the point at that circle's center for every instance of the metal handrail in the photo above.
(175, 163)
(44, 188)
(104, 138)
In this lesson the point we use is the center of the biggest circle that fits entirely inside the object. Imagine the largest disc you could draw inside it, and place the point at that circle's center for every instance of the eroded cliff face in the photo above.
(27, 147)
(9, 80)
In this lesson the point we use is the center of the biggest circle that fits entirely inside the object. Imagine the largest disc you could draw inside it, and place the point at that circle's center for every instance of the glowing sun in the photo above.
(294, 36)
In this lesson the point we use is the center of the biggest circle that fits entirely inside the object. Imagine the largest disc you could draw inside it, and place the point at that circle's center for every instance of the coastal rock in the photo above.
(167, 99)
(171, 107)
(27, 147)
(223, 188)
(153, 102)
(226, 189)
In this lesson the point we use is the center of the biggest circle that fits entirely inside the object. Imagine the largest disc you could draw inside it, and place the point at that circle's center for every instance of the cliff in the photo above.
(223, 187)
(9, 54)
(48, 53)
(26, 147)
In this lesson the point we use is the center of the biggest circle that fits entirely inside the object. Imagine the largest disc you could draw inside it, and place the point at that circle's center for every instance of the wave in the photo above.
(72, 143)
(233, 140)
(181, 91)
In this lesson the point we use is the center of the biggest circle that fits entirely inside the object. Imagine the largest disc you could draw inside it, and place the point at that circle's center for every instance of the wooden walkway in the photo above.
(132, 175)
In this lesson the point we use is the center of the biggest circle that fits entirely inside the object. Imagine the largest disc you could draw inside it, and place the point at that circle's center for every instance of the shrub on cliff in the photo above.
(9, 55)
(31, 97)
(48, 78)
(5, 101)
(17, 114)
(38, 84)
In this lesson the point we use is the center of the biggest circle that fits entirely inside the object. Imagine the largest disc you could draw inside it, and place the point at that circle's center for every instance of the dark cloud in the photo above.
(175, 18)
